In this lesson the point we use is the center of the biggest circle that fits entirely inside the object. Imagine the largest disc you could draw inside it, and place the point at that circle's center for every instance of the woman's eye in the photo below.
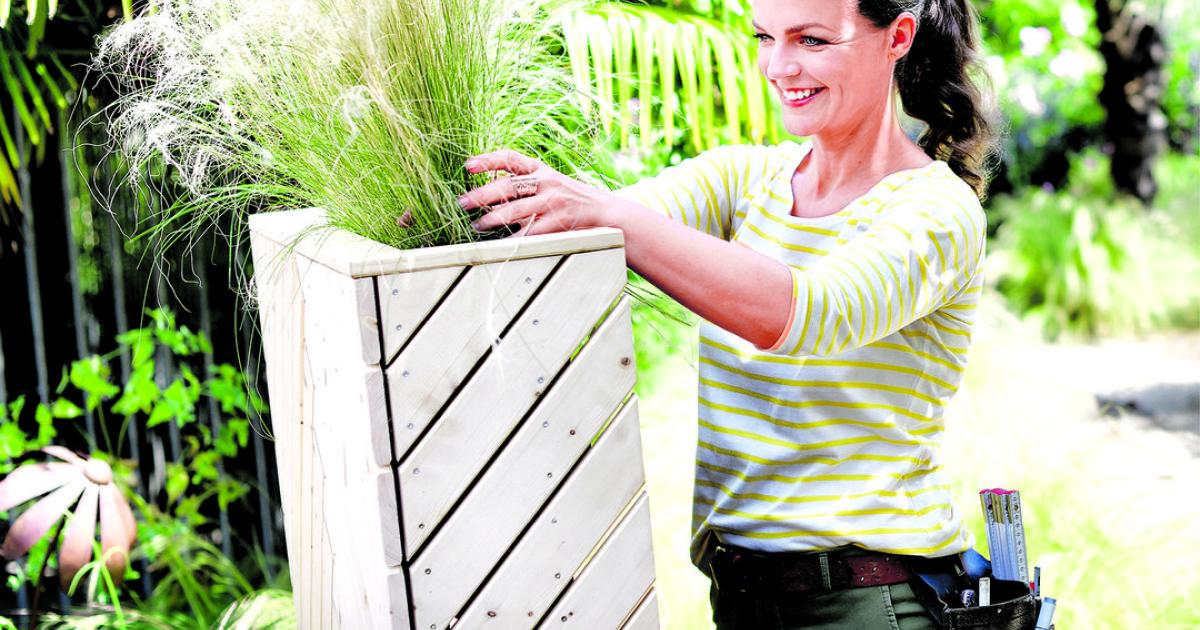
(811, 41)
(762, 37)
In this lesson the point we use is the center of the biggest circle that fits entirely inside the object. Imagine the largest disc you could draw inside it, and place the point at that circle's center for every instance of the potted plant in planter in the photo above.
(455, 427)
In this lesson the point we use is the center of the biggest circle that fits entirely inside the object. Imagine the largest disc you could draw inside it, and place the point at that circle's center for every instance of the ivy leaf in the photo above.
(230, 490)
(141, 392)
(234, 434)
(178, 402)
(205, 466)
(46, 431)
(177, 481)
(140, 343)
(91, 376)
(65, 409)
(13, 442)
(189, 508)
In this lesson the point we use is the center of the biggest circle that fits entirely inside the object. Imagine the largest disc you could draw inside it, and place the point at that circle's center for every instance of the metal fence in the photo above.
(72, 287)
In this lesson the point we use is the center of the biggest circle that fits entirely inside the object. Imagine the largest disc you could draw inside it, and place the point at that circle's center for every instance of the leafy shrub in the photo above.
(1083, 261)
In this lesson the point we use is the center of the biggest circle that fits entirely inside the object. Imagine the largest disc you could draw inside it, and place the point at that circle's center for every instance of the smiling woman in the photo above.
(838, 280)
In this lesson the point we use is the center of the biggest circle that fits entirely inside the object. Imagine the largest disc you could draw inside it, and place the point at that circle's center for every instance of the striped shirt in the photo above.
(831, 436)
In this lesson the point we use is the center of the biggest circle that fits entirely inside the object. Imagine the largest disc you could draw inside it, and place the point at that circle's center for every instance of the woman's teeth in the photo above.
(799, 95)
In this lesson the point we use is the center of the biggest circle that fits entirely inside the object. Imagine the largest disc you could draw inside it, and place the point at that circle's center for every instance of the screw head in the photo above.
(428, 571)
(625, 361)
(535, 322)
(557, 576)
(410, 425)
(546, 424)
(549, 475)
(395, 291)
(404, 374)
(416, 471)
(572, 431)
(541, 379)
(491, 613)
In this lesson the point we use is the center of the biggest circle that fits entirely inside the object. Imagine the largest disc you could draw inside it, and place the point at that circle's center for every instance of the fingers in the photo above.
(504, 160)
(493, 193)
(509, 213)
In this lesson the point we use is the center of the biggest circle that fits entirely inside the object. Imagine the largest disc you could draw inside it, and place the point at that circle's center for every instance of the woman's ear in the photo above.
(900, 35)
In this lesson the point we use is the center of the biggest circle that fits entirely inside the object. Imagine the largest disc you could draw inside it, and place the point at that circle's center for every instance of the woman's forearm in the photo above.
(732, 286)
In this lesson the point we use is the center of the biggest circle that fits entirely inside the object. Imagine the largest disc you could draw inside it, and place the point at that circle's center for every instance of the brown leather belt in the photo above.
(743, 570)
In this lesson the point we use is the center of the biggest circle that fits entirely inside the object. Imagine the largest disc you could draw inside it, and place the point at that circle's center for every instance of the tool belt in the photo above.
(937, 582)
(789, 573)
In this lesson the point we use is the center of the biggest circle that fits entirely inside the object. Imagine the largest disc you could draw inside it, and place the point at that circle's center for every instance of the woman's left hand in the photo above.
(537, 197)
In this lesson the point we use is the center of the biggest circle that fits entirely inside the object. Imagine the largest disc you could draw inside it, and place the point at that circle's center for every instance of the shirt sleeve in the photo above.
(920, 253)
(700, 192)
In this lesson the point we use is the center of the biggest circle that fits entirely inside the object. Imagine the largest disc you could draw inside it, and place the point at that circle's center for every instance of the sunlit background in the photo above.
(1083, 389)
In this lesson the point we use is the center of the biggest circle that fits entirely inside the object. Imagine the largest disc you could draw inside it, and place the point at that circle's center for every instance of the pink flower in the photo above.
(66, 482)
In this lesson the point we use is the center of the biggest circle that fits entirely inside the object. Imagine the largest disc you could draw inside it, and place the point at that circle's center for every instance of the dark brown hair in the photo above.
(936, 85)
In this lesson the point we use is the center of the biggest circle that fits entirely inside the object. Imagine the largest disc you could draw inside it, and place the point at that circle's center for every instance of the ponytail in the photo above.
(936, 85)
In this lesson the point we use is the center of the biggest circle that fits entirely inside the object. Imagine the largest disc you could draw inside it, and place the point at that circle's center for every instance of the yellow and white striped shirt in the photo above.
(831, 436)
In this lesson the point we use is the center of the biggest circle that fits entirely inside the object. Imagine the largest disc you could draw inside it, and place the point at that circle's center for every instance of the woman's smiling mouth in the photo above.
(799, 97)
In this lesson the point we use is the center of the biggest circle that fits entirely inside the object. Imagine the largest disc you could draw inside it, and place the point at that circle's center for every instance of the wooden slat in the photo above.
(541, 564)
(498, 509)
(533, 464)
(385, 485)
(513, 377)
(343, 469)
(610, 587)
(450, 343)
(646, 615)
(358, 257)
(278, 292)
(405, 300)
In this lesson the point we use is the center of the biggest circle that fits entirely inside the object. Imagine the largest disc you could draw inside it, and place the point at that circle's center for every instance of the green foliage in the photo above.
(195, 480)
(1046, 71)
(1085, 263)
(267, 609)
(36, 79)
(641, 59)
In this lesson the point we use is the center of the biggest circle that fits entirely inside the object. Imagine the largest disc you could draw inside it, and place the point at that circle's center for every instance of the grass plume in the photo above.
(366, 109)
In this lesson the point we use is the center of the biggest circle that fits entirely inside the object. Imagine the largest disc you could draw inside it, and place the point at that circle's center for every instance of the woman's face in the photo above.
(829, 66)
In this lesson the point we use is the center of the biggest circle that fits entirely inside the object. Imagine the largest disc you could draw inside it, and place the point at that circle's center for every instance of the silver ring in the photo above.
(525, 186)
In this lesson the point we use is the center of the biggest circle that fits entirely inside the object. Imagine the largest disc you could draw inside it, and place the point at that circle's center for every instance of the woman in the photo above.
(838, 280)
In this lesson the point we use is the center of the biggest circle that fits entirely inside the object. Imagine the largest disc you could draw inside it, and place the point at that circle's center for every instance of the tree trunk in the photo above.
(1135, 127)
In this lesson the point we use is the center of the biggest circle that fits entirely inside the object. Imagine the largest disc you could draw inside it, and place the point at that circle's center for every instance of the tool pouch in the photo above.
(1013, 607)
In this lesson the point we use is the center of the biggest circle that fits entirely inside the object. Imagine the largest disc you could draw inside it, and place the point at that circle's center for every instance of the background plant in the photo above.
(1086, 262)
(196, 580)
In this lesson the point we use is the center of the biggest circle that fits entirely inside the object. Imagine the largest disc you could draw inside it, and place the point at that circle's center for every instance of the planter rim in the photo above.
(307, 233)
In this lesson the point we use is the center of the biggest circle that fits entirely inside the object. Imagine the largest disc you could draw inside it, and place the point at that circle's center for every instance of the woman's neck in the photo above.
(861, 156)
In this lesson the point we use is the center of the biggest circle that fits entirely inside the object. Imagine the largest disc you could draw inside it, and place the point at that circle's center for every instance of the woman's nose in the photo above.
(781, 65)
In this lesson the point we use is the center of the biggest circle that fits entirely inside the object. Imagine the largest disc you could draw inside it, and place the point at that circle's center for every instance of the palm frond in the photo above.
(691, 73)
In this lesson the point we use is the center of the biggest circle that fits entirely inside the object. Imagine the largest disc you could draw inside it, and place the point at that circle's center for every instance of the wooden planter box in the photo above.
(455, 429)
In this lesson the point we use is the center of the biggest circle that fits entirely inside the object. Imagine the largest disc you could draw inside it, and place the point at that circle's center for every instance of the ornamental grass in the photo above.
(366, 109)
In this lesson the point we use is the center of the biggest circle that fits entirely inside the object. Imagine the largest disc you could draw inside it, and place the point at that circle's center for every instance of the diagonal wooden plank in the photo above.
(513, 377)
(646, 615)
(448, 346)
(545, 446)
(541, 563)
(533, 464)
(611, 586)
(405, 300)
